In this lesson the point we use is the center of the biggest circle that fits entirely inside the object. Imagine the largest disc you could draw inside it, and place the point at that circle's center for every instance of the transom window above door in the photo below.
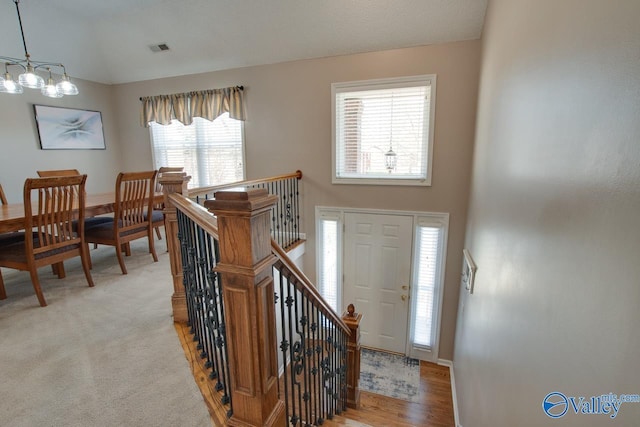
(383, 131)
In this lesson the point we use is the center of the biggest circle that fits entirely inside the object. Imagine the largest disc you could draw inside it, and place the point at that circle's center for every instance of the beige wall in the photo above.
(21, 155)
(554, 214)
(289, 128)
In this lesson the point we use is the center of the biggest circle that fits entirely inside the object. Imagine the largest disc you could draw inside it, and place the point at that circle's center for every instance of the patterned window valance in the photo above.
(183, 107)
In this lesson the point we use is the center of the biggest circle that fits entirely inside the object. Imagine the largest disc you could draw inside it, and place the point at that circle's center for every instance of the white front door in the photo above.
(377, 275)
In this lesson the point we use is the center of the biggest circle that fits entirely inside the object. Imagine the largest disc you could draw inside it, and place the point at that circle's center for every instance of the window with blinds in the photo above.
(383, 131)
(212, 153)
(425, 283)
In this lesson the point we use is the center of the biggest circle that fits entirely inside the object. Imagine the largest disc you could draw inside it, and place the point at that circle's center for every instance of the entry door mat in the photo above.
(390, 374)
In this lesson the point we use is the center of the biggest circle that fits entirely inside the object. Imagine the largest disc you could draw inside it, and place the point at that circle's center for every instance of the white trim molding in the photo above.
(454, 396)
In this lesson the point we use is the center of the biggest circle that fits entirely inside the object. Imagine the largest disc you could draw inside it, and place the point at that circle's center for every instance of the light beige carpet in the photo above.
(102, 356)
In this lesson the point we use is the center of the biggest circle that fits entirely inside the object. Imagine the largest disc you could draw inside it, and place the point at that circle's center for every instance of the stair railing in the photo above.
(313, 342)
(293, 369)
(285, 214)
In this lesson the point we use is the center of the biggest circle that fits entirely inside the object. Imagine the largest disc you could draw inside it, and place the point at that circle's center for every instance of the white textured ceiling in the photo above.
(107, 40)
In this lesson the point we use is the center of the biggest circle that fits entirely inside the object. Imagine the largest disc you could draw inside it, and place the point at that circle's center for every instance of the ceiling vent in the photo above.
(159, 47)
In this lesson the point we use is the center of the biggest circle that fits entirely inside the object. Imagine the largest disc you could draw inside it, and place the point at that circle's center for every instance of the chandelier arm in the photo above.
(11, 62)
(38, 64)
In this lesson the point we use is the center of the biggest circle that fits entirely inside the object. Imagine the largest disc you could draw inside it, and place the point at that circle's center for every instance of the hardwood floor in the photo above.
(434, 410)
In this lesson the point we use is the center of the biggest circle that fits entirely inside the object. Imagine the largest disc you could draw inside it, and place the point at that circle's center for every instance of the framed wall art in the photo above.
(69, 129)
(468, 271)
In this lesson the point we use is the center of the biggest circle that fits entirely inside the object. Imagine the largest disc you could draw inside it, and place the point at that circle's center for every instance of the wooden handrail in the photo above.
(193, 192)
(315, 296)
(199, 214)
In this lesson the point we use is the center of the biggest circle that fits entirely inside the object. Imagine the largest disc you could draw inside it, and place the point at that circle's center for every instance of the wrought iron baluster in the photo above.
(214, 319)
(314, 358)
(343, 379)
(299, 353)
(304, 323)
(294, 384)
(284, 344)
(202, 261)
(297, 210)
(332, 373)
(221, 342)
(286, 204)
(199, 291)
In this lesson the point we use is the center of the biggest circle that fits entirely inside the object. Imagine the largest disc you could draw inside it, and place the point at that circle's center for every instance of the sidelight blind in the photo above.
(428, 252)
(328, 272)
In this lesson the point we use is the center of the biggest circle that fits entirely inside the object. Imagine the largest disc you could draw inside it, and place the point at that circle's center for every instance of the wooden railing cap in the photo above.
(241, 195)
(241, 201)
(173, 178)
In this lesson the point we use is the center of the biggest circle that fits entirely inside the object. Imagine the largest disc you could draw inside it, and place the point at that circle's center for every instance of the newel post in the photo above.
(175, 182)
(245, 265)
(352, 320)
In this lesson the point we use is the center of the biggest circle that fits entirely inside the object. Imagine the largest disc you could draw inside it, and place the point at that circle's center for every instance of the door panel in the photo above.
(377, 265)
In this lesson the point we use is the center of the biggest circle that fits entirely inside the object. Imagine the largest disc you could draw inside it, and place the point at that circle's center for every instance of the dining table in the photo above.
(12, 215)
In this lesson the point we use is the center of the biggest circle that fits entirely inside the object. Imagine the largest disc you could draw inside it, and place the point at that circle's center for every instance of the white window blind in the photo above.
(328, 271)
(427, 259)
(373, 118)
(212, 153)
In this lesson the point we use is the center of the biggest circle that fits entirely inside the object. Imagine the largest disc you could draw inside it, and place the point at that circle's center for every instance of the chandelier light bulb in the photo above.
(66, 87)
(30, 79)
(51, 90)
(9, 85)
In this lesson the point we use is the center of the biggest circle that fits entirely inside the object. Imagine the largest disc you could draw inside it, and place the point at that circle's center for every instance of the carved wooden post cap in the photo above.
(254, 200)
(351, 309)
(173, 177)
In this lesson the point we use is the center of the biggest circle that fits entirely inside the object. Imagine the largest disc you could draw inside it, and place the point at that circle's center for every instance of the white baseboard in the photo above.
(454, 396)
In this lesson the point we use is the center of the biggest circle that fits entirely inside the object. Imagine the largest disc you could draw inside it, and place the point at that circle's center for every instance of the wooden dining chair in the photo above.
(157, 216)
(134, 200)
(50, 205)
(11, 237)
(88, 222)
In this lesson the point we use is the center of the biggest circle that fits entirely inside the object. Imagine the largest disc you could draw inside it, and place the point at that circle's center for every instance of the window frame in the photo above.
(323, 214)
(380, 84)
(441, 222)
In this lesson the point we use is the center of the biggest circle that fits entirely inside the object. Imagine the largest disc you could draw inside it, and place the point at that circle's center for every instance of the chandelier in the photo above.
(28, 77)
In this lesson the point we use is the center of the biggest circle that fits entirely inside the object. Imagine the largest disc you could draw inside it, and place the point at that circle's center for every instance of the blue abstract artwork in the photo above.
(69, 129)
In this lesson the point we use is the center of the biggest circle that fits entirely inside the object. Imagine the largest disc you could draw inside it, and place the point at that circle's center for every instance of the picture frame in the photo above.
(61, 128)
(469, 269)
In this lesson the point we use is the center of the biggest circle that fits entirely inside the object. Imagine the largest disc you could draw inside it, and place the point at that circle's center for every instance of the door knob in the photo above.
(405, 287)
(403, 297)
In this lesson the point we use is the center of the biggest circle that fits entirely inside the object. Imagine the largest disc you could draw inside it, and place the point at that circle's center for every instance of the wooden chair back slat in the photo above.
(3, 198)
(58, 172)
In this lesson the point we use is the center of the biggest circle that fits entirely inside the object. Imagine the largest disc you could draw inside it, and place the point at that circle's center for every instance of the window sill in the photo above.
(383, 181)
